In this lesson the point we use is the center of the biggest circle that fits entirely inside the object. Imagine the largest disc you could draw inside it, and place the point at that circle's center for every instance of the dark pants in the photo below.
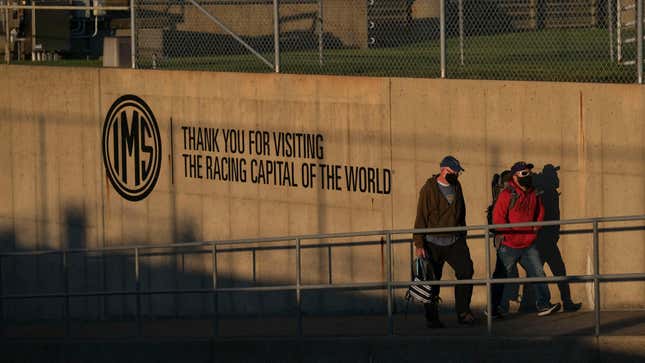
(457, 256)
(498, 289)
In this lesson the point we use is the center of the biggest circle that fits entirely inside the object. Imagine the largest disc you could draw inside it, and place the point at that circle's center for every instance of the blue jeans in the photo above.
(529, 259)
(502, 293)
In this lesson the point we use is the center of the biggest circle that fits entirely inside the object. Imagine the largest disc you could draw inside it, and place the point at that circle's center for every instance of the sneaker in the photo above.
(549, 309)
(570, 306)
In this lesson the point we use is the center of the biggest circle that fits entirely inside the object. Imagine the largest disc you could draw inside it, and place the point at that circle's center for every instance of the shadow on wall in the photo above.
(548, 237)
(163, 269)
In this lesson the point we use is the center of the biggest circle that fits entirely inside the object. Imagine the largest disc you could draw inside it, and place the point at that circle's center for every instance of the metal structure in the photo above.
(389, 284)
(7, 6)
(547, 40)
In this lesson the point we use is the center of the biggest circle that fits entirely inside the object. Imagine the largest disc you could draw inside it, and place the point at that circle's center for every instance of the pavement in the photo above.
(612, 323)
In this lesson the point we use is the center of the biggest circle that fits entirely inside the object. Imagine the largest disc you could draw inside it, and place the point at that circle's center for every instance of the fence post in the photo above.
(596, 281)
(320, 32)
(215, 300)
(461, 31)
(138, 289)
(133, 39)
(276, 35)
(7, 50)
(639, 40)
(33, 31)
(298, 292)
(390, 292)
(610, 29)
(489, 302)
(442, 36)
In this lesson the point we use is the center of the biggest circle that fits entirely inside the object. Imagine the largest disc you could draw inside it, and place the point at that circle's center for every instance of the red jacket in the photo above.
(528, 208)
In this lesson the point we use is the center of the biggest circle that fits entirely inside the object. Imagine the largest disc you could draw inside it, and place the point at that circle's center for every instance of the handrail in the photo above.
(332, 235)
(389, 284)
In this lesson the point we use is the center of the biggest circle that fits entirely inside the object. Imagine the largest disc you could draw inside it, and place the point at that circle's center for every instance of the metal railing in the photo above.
(389, 284)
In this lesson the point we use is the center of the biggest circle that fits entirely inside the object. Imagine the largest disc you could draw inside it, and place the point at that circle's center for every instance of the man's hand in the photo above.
(421, 252)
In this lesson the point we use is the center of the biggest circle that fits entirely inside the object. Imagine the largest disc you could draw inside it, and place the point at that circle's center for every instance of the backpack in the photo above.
(497, 185)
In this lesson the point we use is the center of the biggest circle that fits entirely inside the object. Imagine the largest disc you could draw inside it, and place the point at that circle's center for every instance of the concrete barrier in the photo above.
(585, 139)
(366, 349)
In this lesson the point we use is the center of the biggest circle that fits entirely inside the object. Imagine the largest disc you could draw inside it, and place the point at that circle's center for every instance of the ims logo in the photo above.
(131, 147)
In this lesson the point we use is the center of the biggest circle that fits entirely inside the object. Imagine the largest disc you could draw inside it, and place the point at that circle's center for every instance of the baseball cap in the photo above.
(452, 163)
(521, 165)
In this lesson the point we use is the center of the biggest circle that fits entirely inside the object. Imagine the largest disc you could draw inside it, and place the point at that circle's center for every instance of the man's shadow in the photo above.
(548, 183)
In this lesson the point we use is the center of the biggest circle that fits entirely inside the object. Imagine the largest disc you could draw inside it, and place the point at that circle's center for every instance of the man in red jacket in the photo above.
(516, 204)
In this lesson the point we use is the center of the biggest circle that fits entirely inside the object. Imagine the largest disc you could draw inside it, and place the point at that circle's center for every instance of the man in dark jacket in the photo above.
(516, 204)
(441, 204)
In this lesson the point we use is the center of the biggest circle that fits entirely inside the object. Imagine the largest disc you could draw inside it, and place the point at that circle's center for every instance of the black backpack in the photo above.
(497, 185)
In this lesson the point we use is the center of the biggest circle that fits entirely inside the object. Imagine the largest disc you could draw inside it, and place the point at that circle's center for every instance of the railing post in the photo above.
(596, 281)
(489, 302)
(66, 289)
(133, 38)
(215, 300)
(276, 35)
(390, 292)
(442, 36)
(329, 273)
(1, 301)
(138, 288)
(298, 292)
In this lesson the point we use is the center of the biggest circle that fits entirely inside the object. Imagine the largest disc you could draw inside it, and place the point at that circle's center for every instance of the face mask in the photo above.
(452, 178)
(525, 181)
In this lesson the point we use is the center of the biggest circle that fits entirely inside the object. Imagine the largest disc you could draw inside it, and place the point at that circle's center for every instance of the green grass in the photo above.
(568, 55)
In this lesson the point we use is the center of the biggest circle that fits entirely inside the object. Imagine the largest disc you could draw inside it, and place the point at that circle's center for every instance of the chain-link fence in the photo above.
(550, 40)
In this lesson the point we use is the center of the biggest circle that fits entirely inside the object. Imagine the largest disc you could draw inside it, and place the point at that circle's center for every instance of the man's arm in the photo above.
(462, 217)
(422, 218)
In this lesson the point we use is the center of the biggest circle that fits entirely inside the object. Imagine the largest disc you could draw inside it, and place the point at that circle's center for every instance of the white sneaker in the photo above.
(548, 310)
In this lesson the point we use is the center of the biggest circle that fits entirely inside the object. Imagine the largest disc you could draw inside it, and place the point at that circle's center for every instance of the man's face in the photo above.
(446, 170)
(521, 174)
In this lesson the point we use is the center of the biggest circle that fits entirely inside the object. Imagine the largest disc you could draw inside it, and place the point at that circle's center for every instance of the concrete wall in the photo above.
(55, 192)
(343, 20)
